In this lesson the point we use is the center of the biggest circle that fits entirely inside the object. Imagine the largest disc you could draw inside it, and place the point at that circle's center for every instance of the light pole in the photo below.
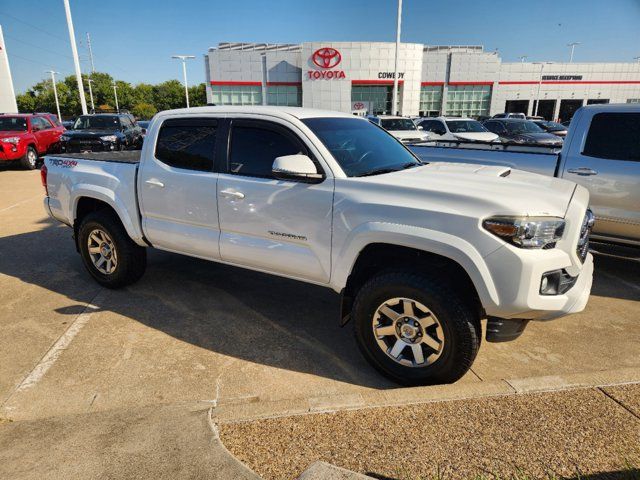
(55, 91)
(573, 46)
(394, 96)
(76, 62)
(93, 108)
(542, 64)
(115, 94)
(522, 58)
(184, 59)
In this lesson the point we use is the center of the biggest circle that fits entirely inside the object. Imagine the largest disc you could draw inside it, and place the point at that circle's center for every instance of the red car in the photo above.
(24, 138)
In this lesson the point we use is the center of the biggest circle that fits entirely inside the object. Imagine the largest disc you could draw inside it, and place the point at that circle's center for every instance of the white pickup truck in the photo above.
(420, 252)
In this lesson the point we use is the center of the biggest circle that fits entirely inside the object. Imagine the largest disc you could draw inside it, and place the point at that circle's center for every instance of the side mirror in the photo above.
(296, 167)
(420, 127)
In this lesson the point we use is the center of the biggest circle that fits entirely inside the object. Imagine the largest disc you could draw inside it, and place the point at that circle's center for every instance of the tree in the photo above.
(144, 111)
(143, 98)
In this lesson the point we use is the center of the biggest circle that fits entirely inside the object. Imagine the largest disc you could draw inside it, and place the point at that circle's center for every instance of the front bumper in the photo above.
(8, 154)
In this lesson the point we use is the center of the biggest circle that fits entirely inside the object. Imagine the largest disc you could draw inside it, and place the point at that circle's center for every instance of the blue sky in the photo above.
(133, 40)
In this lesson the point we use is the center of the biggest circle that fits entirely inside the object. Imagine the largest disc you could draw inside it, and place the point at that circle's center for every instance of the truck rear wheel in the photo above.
(110, 256)
(414, 329)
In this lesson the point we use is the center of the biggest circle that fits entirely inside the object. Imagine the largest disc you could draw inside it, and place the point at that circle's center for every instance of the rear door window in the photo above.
(614, 136)
(188, 143)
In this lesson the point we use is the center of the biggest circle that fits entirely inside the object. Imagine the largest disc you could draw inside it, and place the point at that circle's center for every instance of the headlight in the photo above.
(65, 138)
(13, 140)
(109, 138)
(526, 232)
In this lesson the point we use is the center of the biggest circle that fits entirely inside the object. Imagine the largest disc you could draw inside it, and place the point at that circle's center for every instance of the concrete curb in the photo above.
(234, 410)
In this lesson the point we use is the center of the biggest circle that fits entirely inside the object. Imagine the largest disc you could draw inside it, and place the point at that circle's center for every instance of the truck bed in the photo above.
(127, 156)
(536, 159)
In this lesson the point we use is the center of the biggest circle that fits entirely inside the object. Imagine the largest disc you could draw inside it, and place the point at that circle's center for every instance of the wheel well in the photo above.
(378, 257)
(87, 205)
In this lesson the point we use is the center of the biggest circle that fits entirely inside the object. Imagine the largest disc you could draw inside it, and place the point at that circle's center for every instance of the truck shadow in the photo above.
(232, 311)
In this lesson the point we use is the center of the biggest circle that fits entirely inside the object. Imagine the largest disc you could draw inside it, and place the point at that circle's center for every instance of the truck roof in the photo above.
(613, 106)
(283, 112)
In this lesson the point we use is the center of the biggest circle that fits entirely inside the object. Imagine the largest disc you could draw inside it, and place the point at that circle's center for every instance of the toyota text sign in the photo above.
(326, 58)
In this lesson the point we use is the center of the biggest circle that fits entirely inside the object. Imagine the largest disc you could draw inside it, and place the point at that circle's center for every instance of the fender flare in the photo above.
(431, 241)
(107, 196)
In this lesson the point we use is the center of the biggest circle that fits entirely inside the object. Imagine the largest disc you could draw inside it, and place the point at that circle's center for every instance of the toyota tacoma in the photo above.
(420, 252)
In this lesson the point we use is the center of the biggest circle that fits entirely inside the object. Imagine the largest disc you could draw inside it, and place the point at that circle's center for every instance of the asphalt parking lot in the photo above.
(251, 344)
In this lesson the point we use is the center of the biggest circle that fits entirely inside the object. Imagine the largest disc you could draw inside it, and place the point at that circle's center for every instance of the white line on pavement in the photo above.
(62, 343)
(20, 203)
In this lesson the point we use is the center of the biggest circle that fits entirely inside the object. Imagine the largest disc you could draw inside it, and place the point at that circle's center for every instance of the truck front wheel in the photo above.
(110, 256)
(415, 329)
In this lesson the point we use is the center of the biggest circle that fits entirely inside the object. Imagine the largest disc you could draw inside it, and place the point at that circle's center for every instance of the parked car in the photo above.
(23, 138)
(601, 153)
(521, 116)
(403, 128)
(102, 132)
(454, 128)
(419, 252)
(521, 131)
(554, 128)
(68, 123)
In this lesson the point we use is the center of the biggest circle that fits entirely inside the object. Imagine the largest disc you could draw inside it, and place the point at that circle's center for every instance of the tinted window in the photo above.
(395, 124)
(38, 123)
(615, 136)
(253, 150)
(465, 126)
(523, 127)
(17, 124)
(98, 122)
(188, 144)
(494, 127)
(360, 147)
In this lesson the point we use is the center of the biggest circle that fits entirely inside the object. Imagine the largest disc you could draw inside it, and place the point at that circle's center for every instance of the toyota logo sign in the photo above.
(358, 106)
(326, 57)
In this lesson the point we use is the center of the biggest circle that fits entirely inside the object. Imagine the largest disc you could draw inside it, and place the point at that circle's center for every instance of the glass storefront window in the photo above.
(236, 94)
(468, 100)
(378, 96)
(430, 100)
(284, 95)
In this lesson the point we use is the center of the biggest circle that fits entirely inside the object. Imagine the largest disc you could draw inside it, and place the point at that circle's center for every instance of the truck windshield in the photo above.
(465, 126)
(97, 123)
(398, 124)
(13, 124)
(523, 127)
(360, 147)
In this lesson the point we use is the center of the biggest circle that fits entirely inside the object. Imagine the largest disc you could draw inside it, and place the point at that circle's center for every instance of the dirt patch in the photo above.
(567, 433)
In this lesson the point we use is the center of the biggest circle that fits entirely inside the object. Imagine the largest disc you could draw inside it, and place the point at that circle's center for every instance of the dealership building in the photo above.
(358, 77)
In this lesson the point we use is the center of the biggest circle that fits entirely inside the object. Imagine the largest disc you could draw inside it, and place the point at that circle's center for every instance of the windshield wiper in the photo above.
(380, 171)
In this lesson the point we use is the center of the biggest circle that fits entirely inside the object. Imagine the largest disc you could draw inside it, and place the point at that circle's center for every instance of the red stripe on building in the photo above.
(575, 82)
(375, 82)
(461, 84)
(227, 83)
(285, 84)
(432, 84)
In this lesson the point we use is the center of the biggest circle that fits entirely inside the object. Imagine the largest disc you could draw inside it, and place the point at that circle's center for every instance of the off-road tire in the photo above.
(132, 259)
(460, 323)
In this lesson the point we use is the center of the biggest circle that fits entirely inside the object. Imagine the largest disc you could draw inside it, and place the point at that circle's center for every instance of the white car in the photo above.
(403, 128)
(419, 252)
(453, 128)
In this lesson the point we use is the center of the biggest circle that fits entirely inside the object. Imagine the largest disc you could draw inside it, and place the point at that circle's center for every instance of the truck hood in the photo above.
(89, 133)
(477, 136)
(12, 133)
(492, 189)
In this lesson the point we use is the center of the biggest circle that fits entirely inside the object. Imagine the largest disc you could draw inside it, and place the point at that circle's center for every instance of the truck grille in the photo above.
(585, 231)
(79, 145)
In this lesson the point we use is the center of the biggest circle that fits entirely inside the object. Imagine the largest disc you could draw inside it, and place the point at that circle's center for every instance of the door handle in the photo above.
(155, 183)
(583, 171)
(232, 194)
